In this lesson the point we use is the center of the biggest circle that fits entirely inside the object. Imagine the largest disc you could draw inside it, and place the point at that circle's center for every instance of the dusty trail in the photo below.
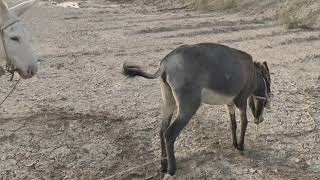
(79, 118)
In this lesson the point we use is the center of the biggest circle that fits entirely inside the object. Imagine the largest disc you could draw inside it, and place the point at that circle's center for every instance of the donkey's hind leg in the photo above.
(168, 108)
(188, 102)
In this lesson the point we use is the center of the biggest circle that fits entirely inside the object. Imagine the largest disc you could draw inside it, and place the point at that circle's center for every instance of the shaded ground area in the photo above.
(79, 118)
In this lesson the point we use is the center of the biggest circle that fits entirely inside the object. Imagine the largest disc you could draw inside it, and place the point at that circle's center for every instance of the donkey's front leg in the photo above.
(233, 124)
(244, 123)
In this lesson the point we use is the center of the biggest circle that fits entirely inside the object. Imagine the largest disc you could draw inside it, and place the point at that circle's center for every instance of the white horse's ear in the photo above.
(3, 11)
(3, 6)
(22, 7)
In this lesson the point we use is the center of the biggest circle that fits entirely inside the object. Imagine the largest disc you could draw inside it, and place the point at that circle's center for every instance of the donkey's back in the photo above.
(210, 67)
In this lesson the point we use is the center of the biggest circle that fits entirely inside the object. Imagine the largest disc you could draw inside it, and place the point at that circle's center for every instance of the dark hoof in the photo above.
(235, 145)
(241, 153)
(171, 171)
(240, 148)
(163, 167)
(162, 174)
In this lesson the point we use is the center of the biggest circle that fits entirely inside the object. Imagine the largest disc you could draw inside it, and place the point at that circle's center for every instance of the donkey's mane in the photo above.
(258, 64)
(259, 67)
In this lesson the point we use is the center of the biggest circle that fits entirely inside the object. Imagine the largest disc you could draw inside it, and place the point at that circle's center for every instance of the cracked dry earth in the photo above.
(79, 118)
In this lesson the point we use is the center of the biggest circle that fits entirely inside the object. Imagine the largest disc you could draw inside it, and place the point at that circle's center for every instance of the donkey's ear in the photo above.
(266, 65)
(22, 7)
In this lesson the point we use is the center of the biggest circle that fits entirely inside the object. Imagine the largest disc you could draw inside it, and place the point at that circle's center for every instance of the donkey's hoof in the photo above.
(240, 148)
(168, 177)
(162, 174)
(163, 167)
(235, 146)
(241, 153)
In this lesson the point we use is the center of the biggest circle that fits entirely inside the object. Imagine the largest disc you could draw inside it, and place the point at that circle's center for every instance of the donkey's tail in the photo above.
(133, 70)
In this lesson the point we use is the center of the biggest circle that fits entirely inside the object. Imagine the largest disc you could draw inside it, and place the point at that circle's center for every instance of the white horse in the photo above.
(15, 46)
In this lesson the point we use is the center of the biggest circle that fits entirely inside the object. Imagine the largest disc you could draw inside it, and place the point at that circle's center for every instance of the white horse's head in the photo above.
(15, 41)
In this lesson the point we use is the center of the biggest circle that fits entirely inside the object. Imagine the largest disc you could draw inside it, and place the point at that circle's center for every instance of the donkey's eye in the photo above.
(15, 38)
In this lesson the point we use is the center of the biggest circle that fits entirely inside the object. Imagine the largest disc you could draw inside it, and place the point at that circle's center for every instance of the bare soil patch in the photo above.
(79, 118)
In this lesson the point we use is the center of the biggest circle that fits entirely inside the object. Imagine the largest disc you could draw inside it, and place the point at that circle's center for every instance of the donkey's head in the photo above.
(15, 45)
(261, 96)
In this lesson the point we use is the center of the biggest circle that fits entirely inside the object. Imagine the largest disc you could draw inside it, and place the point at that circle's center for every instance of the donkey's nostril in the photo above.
(40, 60)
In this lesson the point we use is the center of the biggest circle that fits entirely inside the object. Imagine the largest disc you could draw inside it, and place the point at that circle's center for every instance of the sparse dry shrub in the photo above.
(229, 4)
(200, 5)
(299, 14)
(204, 5)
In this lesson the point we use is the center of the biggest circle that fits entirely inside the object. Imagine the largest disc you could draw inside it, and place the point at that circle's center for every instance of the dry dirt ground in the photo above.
(79, 118)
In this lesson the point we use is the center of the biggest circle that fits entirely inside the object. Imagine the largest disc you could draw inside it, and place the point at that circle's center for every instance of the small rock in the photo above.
(251, 170)
(297, 160)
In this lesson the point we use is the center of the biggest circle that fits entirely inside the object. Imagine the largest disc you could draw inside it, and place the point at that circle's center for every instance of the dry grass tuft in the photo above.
(205, 5)
(200, 5)
(229, 4)
(299, 14)
(290, 13)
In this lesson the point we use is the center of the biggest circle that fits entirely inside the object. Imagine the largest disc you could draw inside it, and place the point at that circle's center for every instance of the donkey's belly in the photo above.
(211, 97)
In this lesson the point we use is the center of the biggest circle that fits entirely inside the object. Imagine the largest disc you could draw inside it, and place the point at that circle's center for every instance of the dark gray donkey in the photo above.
(206, 73)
